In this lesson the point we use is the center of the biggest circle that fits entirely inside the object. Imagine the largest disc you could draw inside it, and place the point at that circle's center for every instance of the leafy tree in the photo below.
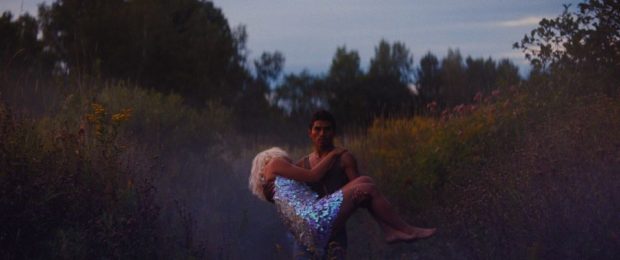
(80, 33)
(428, 78)
(456, 82)
(300, 94)
(183, 46)
(345, 66)
(582, 42)
(255, 112)
(392, 61)
(356, 98)
(19, 47)
(344, 78)
(365, 99)
(269, 66)
(507, 74)
(387, 83)
(383, 97)
(453, 77)
(480, 75)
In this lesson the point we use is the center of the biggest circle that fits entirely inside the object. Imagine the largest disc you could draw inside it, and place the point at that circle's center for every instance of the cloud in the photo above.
(511, 55)
(521, 22)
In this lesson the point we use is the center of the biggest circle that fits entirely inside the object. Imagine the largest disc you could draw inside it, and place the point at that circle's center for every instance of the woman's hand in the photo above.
(338, 151)
(335, 153)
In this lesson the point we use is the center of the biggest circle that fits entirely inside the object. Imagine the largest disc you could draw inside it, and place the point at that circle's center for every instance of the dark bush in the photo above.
(73, 190)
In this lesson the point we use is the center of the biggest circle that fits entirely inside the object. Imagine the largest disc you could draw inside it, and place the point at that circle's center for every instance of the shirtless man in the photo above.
(322, 130)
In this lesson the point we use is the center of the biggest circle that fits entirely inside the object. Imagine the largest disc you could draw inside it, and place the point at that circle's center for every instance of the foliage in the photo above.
(74, 190)
(257, 111)
(517, 175)
(345, 68)
(182, 46)
(418, 157)
(269, 66)
(454, 80)
(344, 77)
(165, 120)
(170, 143)
(300, 94)
(356, 97)
(454, 77)
(186, 48)
(585, 42)
(495, 162)
(393, 61)
(428, 78)
(506, 75)
(19, 47)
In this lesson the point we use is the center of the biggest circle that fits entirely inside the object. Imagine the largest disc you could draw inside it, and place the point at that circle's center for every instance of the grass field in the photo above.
(106, 169)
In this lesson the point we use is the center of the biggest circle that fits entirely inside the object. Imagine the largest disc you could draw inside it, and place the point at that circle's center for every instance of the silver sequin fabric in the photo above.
(309, 218)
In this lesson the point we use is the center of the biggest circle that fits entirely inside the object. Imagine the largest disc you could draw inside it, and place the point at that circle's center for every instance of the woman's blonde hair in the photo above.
(258, 165)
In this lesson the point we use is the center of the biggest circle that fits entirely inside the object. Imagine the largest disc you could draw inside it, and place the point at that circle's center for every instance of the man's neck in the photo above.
(321, 152)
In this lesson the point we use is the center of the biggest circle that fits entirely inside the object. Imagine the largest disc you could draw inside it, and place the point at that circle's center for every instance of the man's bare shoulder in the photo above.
(349, 164)
(348, 158)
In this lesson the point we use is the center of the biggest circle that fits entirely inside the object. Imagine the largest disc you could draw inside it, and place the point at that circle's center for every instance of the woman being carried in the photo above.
(311, 220)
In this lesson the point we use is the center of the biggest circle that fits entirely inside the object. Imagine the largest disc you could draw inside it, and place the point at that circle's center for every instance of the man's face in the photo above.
(322, 134)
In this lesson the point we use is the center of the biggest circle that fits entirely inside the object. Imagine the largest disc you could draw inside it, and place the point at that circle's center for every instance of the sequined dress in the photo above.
(308, 217)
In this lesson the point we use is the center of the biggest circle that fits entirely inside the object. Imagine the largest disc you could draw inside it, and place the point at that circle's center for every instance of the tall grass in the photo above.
(529, 173)
(70, 191)
(125, 140)
(108, 169)
(420, 158)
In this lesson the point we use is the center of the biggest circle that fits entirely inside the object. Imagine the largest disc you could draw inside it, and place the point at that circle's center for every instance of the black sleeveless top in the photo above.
(332, 181)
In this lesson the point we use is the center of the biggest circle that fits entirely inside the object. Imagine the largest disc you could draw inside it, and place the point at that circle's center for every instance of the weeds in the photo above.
(67, 194)
(524, 173)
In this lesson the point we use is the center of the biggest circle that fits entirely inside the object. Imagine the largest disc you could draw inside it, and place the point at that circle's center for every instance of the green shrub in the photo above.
(69, 192)
(526, 174)
(166, 120)
(179, 150)
(417, 158)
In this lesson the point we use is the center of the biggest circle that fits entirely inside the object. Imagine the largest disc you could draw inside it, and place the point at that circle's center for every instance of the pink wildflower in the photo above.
(478, 97)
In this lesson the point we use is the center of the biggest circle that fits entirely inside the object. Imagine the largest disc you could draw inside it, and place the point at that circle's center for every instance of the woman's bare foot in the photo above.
(419, 233)
(396, 236)
(413, 233)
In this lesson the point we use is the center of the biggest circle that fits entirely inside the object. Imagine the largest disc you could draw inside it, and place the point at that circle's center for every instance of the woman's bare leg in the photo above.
(362, 192)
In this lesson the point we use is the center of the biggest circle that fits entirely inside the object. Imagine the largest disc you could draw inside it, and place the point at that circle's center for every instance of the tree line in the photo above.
(393, 85)
(188, 47)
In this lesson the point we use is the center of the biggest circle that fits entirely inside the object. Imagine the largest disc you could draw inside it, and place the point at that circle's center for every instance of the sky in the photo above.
(308, 32)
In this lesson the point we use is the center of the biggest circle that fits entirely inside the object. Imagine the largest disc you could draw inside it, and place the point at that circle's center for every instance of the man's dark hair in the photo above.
(322, 115)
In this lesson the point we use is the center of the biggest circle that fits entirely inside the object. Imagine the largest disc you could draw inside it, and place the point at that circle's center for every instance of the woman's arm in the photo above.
(284, 168)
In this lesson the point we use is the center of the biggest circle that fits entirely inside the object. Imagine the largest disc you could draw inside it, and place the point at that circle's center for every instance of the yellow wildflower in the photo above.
(91, 118)
(99, 109)
(124, 115)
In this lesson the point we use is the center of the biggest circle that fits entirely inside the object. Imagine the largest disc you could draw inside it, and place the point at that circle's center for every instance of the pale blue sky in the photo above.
(308, 32)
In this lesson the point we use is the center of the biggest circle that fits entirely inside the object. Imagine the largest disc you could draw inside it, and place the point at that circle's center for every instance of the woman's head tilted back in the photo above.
(258, 165)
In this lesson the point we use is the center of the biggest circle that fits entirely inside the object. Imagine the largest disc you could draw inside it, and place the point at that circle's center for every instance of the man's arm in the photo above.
(349, 164)
(300, 162)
